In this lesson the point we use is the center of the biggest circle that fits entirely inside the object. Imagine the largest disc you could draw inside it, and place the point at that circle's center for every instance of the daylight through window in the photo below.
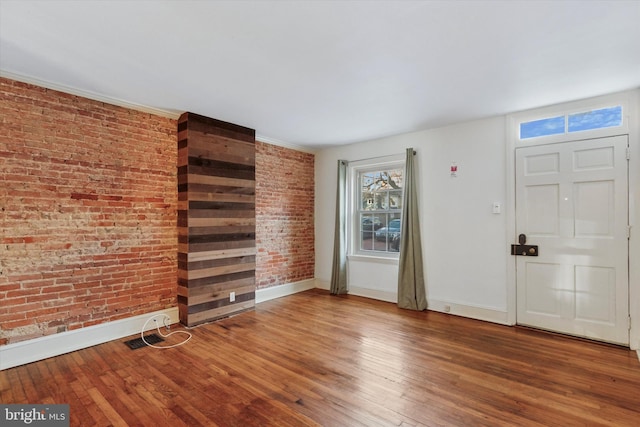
(379, 209)
(577, 122)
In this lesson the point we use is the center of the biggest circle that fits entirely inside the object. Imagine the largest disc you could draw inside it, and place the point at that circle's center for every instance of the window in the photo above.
(595, 119)
(570, 123)
(379, 209)
(544, 127)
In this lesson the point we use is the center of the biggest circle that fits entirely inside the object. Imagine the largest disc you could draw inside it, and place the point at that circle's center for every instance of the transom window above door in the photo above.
(570, 123)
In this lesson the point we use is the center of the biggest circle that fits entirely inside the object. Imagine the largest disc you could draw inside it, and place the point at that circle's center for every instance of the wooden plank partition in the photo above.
(216, 219)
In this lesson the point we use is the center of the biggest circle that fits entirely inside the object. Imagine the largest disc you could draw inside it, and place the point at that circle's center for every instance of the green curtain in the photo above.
(339, 269)
(411, 283)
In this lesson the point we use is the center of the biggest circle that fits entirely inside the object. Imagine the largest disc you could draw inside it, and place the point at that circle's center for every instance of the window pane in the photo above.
(388, 237)
(395, 200)
(372, 181)
(379, 210)
(366, 232)
(395, 178)
(382, 201)
(596, 119)
(368, 201)
(367, 181)
(368, 225)
(544, 127)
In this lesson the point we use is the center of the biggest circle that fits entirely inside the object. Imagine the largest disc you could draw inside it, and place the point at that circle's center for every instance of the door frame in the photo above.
(630, 101)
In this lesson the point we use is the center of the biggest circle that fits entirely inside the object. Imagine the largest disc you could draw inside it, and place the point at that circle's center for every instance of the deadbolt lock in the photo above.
(522, 249)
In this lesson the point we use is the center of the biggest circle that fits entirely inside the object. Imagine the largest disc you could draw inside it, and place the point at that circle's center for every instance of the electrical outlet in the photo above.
(232, 296)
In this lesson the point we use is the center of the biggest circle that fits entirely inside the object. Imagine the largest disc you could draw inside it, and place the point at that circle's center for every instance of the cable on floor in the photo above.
(164, 321)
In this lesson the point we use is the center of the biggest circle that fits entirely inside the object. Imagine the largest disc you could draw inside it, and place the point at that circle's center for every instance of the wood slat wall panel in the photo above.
(224, 310)
(216, 246)
(203, 256)
(213, 289)
(196, 283)
(214, 294)
(220, 197)
(234, 226)
(216, 271)
(218, 189)
(220, 152)
(200, 209)
(219, 180)
(216, 288)
(216, 218)
(201, 265)
(217, 127)
(220, 222)
(218, 148)
(210, 213)
(224, 169)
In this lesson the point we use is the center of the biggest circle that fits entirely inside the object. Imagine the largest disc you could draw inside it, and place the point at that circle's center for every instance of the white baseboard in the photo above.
(273, 292)
(323, 284)
(24, 352)
(32, 350)
(374, 294)
(472, 312)
(362, 292)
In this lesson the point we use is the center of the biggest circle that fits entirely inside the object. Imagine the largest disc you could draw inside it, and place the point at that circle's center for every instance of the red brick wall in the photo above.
(284, 215)
(87, 212)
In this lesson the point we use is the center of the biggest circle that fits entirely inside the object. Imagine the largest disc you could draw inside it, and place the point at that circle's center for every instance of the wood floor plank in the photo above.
(10, 386)
(312, 359)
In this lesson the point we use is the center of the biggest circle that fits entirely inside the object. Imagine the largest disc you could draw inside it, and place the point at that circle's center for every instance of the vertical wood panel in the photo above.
(216, 218)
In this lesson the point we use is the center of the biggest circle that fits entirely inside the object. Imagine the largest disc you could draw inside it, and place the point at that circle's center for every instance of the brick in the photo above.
(89, 227)
(284, 215)
(78, 169)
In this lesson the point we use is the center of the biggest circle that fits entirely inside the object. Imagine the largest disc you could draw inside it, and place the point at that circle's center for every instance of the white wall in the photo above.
(465, 244)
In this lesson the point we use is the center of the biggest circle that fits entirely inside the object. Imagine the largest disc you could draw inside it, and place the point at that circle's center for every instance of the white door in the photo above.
(572, 201)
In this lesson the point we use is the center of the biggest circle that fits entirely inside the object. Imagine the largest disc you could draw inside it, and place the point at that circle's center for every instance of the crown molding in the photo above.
(279, 143)
(89, 95)
(131, 105)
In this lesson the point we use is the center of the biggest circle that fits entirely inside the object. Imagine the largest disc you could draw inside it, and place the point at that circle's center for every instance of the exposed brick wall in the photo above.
(88, 206)
(284, 215)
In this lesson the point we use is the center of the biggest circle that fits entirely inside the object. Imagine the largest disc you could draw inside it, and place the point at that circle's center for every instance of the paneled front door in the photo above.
(572, 202)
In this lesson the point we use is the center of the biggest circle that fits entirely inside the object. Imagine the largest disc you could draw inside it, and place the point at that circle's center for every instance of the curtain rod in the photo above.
(377, 157)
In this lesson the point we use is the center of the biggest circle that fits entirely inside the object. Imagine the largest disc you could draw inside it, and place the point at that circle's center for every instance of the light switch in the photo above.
(497, 207)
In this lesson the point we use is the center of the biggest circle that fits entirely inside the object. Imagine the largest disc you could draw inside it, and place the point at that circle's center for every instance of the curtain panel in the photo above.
(411, 282)
(339, 268)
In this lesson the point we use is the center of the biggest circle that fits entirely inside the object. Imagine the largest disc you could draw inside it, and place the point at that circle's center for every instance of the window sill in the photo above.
(373, 258)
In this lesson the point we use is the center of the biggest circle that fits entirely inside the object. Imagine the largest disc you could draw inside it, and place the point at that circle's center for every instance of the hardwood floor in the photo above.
(316, 359)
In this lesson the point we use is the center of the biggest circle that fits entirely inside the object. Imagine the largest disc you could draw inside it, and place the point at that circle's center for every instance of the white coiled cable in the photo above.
(165, 318)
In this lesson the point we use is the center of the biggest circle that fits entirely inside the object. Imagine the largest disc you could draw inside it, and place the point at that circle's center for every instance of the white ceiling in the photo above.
(317, 73)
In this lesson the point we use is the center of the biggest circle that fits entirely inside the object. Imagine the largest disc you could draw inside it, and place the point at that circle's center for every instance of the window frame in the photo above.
(566, 110)
(355, 168)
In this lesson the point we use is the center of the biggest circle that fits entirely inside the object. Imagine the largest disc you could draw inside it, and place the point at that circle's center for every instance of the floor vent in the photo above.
(137, 343)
